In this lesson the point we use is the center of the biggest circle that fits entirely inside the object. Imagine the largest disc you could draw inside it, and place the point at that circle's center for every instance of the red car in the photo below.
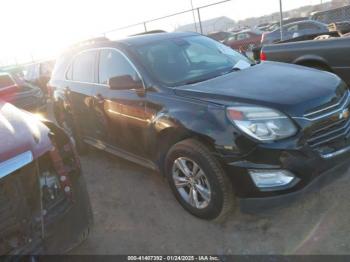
(245, 40)
(44, 205)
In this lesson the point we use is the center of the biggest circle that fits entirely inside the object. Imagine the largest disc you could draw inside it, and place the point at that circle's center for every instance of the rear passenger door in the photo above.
(81, 76)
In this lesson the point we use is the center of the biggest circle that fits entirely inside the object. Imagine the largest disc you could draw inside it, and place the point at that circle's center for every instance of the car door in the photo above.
(81, 80)
(120, 115)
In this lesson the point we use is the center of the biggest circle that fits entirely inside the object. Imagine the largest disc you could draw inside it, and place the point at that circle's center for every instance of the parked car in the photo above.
(15, 90)
(214, 123)
(328, 55)
(39, 74)
(246, 40)
(294, 30)
(332, 16)
(44, 206)
(219, 36)
(276, 24)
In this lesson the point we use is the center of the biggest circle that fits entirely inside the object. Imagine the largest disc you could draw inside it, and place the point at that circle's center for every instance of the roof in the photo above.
(248, 31)
(150, 38)
(137, 40)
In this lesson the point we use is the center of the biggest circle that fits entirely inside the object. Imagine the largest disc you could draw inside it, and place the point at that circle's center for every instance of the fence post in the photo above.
(281, 20)
(200, 21)
(194, 17)
(144, 25)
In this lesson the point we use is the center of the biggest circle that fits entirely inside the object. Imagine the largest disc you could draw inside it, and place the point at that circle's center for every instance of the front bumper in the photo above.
(306, 164)
(70, 228)
(259, 204)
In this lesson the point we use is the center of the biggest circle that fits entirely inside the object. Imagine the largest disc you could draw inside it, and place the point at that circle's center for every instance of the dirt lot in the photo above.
(135, 212)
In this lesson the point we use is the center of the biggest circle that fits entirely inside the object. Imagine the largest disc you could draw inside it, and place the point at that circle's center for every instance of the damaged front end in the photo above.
(44, 205)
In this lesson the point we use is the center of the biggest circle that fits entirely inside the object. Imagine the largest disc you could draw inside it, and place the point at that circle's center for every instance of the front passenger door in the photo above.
(122, 121)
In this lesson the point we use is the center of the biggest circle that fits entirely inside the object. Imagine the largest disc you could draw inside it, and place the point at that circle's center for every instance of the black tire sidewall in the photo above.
(69, 121)
(215, 206)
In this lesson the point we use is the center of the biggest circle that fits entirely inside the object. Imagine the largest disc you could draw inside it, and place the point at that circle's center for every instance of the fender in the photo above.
(311, 58)
(207, 123)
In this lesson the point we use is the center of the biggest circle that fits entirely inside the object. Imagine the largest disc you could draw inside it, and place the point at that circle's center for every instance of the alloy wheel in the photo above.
(191, 182)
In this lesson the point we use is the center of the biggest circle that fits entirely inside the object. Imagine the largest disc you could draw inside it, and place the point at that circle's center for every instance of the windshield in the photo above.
(190, 59)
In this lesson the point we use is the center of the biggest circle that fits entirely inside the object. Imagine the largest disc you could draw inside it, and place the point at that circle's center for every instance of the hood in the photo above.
(289, 88)
(21, 132)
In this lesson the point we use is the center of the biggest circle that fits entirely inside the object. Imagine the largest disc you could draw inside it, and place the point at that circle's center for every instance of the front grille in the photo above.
(330, 108)
(19, 208)
(335, 131)
(330, 127)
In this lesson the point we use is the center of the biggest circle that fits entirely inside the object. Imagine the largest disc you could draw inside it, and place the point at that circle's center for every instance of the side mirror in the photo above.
(124, 82)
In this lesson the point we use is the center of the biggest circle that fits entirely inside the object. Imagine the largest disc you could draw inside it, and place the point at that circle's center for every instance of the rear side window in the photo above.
(293, 28)
(112, 64)
(84, 67)
(242, 36)
(308, 26)
(6, 81)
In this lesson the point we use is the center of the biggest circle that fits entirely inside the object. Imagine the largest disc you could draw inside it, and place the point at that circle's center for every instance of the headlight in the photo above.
(261, 123)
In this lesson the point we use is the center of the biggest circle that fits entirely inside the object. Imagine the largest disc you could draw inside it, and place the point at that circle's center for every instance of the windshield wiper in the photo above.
(194, 81)
(233, 69)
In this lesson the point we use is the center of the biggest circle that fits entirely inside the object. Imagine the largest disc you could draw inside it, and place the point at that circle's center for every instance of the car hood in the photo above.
(21, 132)
(289, 88)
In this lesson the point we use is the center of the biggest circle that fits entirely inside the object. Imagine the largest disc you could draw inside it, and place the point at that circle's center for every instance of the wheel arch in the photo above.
(313, 61)
(170, 136)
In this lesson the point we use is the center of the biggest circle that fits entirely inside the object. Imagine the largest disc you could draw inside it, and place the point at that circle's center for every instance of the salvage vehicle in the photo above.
(15, 90)
(246, 40)
(39, 74)
(218, 126)
(330, 54)
(294, 30)
(44, 206)
(220, 35)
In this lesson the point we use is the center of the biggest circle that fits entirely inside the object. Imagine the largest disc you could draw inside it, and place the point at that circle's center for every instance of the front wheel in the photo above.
(198, 180)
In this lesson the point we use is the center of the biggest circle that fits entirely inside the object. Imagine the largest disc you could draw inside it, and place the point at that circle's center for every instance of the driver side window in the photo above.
(113, 64)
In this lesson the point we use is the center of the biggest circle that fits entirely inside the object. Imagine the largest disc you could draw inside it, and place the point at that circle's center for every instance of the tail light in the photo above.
(263, 56)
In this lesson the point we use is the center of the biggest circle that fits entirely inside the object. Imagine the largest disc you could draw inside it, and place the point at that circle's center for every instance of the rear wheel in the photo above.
(198, 181)
(66, 121)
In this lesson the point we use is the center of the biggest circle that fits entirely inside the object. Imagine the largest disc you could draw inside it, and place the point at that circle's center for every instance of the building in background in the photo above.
(222, 23)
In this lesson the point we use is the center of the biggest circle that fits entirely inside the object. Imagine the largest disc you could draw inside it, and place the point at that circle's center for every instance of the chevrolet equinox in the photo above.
(218, 126)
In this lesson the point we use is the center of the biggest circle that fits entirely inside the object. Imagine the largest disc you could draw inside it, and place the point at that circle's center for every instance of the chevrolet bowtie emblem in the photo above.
(344, 114)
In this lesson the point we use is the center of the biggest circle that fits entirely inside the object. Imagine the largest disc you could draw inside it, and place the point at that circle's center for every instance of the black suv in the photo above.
(216, 124)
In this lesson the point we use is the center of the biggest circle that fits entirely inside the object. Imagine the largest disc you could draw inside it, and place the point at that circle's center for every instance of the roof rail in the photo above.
(150, 32)
(90, 42)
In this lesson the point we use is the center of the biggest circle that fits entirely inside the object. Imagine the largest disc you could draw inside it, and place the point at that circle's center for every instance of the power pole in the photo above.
(194, 16)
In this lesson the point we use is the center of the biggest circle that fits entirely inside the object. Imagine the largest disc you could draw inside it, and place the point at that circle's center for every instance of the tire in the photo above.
(65, 120)
(213, 197)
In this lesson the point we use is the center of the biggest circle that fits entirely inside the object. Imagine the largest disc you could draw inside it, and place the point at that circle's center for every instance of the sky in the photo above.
(37, 29)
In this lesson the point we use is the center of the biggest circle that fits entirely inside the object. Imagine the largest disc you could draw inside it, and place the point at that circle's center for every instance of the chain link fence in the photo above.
(239, 23)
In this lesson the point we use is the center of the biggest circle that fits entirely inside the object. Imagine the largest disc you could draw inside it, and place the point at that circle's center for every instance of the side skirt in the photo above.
(121, 153)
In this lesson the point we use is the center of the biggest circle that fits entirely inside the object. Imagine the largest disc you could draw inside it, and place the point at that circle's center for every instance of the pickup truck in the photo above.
(329, 55)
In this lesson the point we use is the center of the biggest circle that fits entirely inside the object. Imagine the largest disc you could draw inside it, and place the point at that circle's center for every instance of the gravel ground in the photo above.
(136, 213)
